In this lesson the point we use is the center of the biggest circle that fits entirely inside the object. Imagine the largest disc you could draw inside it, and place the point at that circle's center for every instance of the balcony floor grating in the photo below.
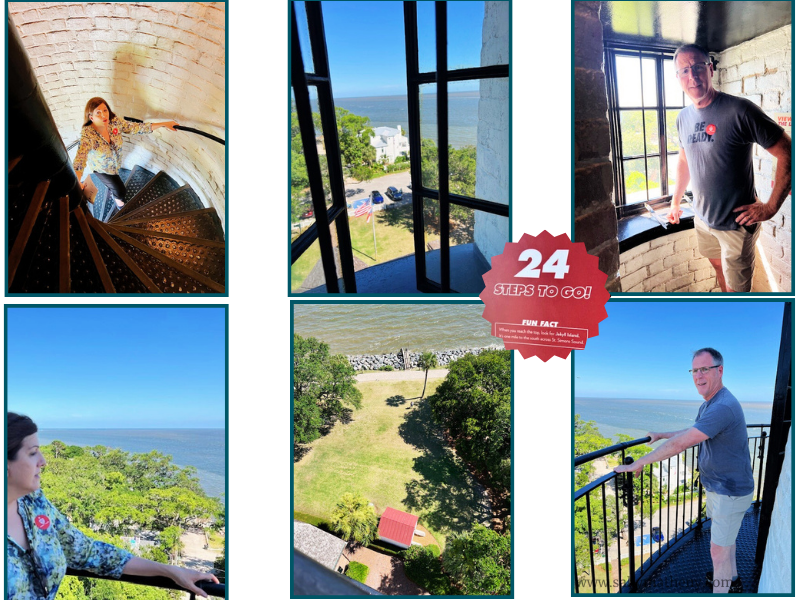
(684, 569)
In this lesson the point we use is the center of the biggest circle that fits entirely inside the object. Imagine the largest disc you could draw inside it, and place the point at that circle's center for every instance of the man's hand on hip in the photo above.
(754, 213)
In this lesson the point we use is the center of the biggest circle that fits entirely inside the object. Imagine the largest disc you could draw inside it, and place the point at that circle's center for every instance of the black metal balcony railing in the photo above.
(660, 531)
(216, 590)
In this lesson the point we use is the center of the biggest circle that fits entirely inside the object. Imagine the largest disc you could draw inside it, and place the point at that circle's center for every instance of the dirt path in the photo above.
(194, 555)
(402, 375)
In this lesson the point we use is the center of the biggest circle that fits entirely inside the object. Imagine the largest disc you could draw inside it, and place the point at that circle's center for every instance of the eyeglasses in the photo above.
(703, 370)
(697, 69)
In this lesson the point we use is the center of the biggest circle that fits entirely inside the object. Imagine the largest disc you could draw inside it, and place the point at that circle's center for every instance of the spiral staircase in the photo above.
(161, 241)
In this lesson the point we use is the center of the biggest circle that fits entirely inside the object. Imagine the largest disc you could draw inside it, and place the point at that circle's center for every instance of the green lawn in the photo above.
(393, 455)
(393, 234)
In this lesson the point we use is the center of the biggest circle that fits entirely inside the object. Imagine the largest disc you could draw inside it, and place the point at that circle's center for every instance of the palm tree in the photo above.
(427, 361)
(355, 519)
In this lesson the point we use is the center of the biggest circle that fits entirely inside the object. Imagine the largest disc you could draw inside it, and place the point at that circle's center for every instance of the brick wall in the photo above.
(595, 216)
(155, 61)
(668, 264)
(776, 574)
(761, 71)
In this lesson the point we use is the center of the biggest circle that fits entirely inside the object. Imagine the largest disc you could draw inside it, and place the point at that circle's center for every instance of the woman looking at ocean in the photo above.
(101, 145)
(41, 542)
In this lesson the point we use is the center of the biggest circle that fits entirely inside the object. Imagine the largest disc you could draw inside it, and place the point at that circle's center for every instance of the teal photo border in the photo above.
(417, 294)
(101, 295)
(137, 306)
(294, 303)
(571, 531)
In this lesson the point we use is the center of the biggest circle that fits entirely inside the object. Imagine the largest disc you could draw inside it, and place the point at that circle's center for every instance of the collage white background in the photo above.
(259, 423)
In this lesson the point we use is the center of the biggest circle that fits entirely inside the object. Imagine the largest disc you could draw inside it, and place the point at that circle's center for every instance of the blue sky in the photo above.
(109, 367)
(645, 349)
(366, 44)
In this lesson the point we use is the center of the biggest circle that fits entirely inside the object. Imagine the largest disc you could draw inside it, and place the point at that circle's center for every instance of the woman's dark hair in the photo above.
(18, 427)
(91, 105)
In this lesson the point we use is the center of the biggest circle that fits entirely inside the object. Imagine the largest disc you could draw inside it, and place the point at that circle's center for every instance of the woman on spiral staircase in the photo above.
(101, 145)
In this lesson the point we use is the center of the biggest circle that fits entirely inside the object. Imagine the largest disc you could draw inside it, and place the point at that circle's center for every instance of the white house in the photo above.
(389, 143)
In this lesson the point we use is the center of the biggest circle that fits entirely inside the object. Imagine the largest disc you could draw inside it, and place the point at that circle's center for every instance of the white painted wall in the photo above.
(776, 573)
(492, 171)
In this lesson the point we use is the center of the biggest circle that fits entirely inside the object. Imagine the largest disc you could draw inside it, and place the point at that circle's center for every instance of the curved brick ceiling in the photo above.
(154, 61)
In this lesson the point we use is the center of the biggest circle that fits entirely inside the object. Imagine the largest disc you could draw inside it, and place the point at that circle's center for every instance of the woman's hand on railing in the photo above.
(168, 124)
(188, 578)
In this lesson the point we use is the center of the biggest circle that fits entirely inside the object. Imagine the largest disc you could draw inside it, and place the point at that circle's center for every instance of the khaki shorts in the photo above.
(726, 514)
(736, 248)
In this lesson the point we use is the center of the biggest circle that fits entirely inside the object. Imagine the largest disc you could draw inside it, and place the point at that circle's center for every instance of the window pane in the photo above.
(426, 36)
(649, 81)
(654, 178)
(672, 170)
(672, 90)
(302, 278)
(430, 211)
(651, 131)
(388, 232)
(462, 132)
(672, 131)
(475, 237)
(632, 132)
(305, 40)
(477, 34)
(428, 125)
(635, 181)
(629, 81)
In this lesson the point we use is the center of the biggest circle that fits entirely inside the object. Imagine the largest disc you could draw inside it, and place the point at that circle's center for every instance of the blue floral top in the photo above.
(55, 544)
(98, 154)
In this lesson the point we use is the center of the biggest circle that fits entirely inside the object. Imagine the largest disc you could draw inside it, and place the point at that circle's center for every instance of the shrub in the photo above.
(424, 568)
(357, 571)
(387, 368)
(355, 519)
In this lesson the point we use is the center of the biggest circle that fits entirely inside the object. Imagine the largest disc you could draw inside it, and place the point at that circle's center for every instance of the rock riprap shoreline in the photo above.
(375, 362)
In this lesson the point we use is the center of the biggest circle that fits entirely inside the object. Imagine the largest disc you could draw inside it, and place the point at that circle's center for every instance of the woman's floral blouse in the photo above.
(54, 545)
(97, 154)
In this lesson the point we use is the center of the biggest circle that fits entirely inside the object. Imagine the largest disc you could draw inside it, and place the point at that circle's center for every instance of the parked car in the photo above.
(394, 193)
(308, 214)
(376, 197)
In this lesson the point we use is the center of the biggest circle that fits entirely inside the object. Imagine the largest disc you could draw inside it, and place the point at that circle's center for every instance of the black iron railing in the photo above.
(178, 127)
(216, 590)
(603, 533)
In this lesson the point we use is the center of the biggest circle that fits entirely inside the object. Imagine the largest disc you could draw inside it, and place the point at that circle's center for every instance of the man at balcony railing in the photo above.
(724, 462)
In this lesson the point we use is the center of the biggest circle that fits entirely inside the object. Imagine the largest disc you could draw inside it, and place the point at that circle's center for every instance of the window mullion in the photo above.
(644, 131)
(662, 126)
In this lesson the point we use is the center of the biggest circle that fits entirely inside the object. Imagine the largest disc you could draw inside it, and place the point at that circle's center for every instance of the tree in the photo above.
(587, 439)
(170, 540)
(474, 404)
(480, 561)
(58, 448)
(324, 384)
(427, 361)
(355, 519)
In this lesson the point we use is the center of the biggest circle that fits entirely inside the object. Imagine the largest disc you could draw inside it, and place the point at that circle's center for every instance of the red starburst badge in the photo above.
(711, 129)
(42, 522)
(545, 296)
(115, 131)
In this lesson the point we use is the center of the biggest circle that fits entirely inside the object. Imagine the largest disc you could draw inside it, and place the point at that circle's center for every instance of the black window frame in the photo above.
(441, 77)
(302, 79)
(660, 55)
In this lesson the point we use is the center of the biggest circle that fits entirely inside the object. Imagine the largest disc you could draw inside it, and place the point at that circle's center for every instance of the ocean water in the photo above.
(637, 417)
(391, 111)
(203, 449)
(383, 328)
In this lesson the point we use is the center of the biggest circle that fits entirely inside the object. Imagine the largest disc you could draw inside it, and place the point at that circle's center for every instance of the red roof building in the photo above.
(397, 527)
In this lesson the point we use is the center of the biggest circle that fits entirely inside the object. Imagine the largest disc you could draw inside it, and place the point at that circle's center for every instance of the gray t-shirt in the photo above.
(718, 141)
(725, 456)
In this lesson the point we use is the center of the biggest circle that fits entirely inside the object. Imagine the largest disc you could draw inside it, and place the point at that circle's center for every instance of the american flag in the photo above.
(364, 209)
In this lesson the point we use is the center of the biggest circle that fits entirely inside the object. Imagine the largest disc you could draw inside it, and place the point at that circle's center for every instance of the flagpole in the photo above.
(374, 239)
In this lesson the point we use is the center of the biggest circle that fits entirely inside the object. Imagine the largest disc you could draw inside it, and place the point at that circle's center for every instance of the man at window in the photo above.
(724, 462)
(716, 135)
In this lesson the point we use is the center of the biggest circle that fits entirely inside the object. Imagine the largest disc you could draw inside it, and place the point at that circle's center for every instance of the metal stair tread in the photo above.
(202, 224)
(160, 185)
(182, 200)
